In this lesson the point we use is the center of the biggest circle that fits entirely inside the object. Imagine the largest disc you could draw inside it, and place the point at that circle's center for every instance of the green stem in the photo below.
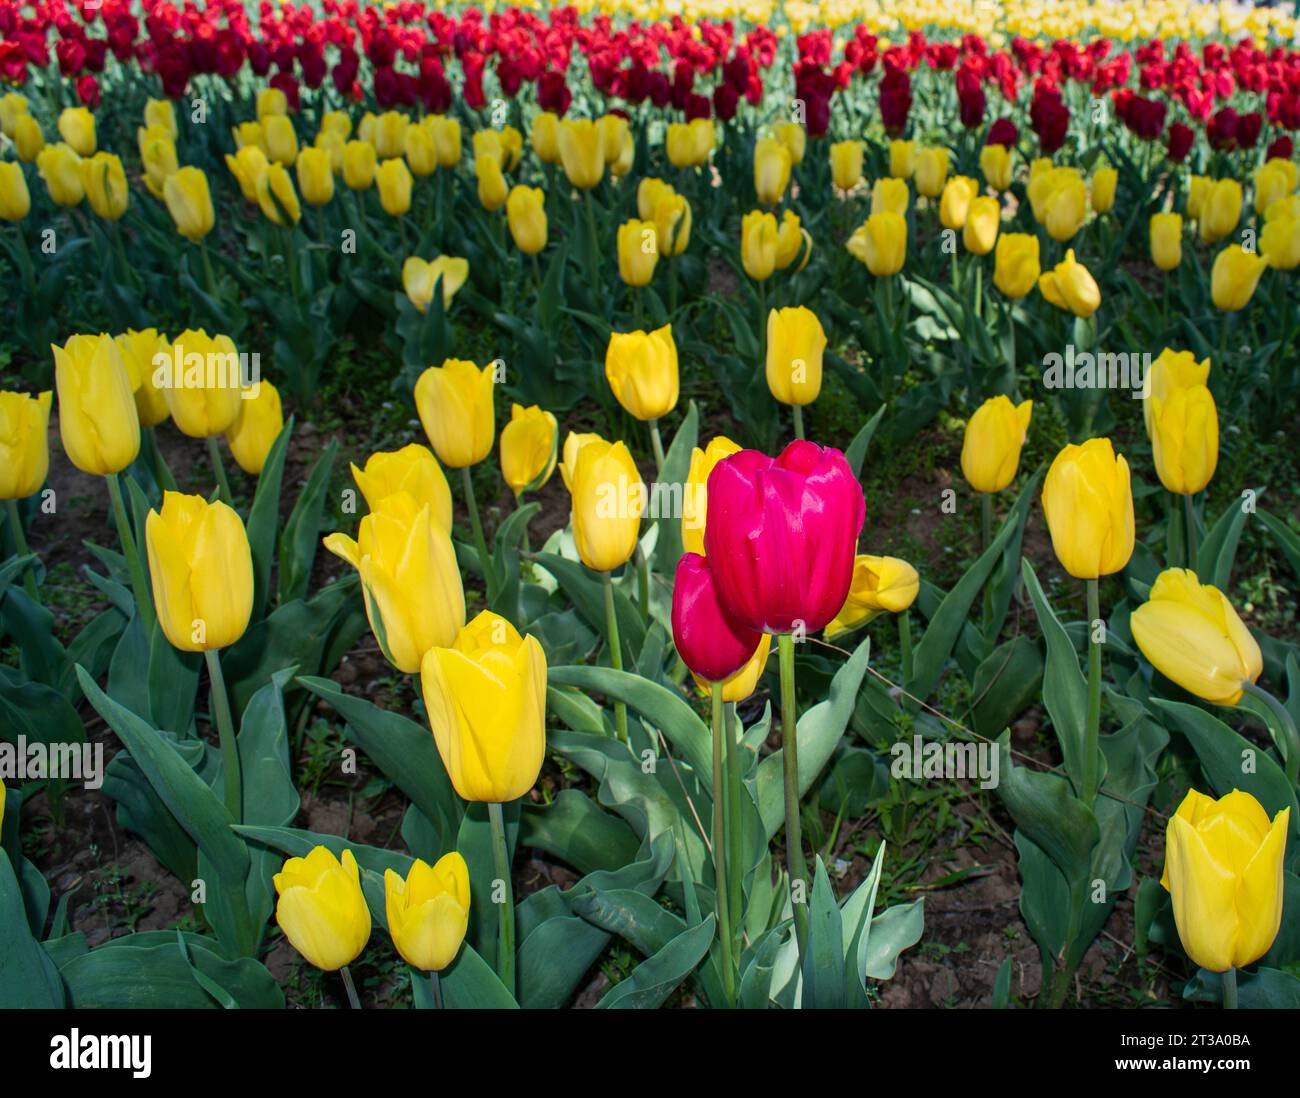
(593, 245)
(794, 859)
(1291, 738)
(219, 471)
(720, 886)
(435, 985)
(797, 411)
(480, 542)
(735, 832)
(986, 539)
(140, 588)
(225, 734)
(1088, 779)
(350, 988)
(1230, 989)
(657, 445)
(1191, 539)
(209, 281)
(615, 652)
(905, 645)
(506, 938)
(642, 582)
(20, 548)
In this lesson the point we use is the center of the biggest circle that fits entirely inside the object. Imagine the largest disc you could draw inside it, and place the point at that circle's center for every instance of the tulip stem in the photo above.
(657, 445)
(794, 859)
(1191, 539)
(480, 542)
(225, 734)
(797, 411)
(593, 241)
(615, 653)
(506, 938)
(435, 985)
(986, 539)
(1230, 989)
(350, 988)
(721, 891)
(1291, 738)
(21, 549)
(905, 645)
(219, 471)
(1088, 779)
(735, 835)
(131, 552)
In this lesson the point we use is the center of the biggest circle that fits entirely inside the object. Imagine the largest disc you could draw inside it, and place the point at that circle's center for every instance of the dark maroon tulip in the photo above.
(710, 643)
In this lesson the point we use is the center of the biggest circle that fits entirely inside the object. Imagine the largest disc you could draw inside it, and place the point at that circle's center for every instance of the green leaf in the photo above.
(856, 454)
(469, 983)
(586, 592)
(1218, 552)
(823, 956)
(677, 467)
(264, 518)
(654, 979)
(302, 532)
(576, 830)
(28, 977)
(1065, 690)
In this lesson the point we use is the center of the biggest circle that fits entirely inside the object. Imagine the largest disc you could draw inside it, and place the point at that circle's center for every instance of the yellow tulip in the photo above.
(1221, 211)
(581, 152)
(613, 129)
(1284, 209)
(419, 278)
(414, 470)
(881, 243)
(1172, 370)
(15, 199)
(1184, 429)
(248, 166)
(332, 144)
(142, 352)
(648, 193)
(1279, 243)
(954, 204)
(1197, 190)
(359, 160)
(695, 493)
(573, 443)
(159, 112)
(983, 220)
(1234, 276)
(190, 203)
(758, 241)
(493, 190)
(1193, 636)
(641, 368)
(794, 137)
(931, 171)
(1065, 206)
(104, 181)
(315, 176)
(446, 139)
(791, 239)
(486, 700)
(389, 135)
(795, 344)
(638, 252)
(256, 427)
(1070, 286)
(77, 127)
(1273, 181)
(60, 167)
(902, 159)
(772, 164)
(680, 143)
(276, 196)
(739, 685)
(880, 585)
(1103, 189)
(1224, 873)
(526, 216)
(98, 422)
(419, 150)
(249, 133)
(545, 137)
(394, 181)
(455, 405)
(996, 165)
(206, 401)
(407, 564)
(608, 499)
(890, 195)
(322, 909)
(24, 445)
(672, 219)
(281, 140)
(1166, 240)
(1044, 182)
(201, 571)
(1088, 502)
(12, 107)
(703, 139)
(528, 448)
(271, 102)
(428, 913)
(846, 164)
(1015, 264)
(995, 434)
(28, 138)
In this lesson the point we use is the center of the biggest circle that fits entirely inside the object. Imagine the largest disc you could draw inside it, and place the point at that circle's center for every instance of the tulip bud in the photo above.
(256, 427)
(276, 197)
(648, 193)
(608, 499)
(794, 137)
(247, 166)
(846, 164)
(526, 216)
(680, 143)
(545, 137)
(803, 509)
(271, 102)
(996, 165)
(98, 422)
(455, 405)
(1221, 210)
(638, 252)
(1279, 243)
(428, 913)
(881, 243)
(712, 645)
(28, 138)
(772, 166)
(142, 352)
(1015, 264)
(890, 195)
(1166, 240)
(389, 137)
(414, 470)
(322, 909)
(190, 203)
(421, 154)
(281, 140)
(1065, 206)
(15, 199)
(795, 343)
(206, 400)
(528, 448)
(493, 191)
(1172, 370)
(790, 241)
(159, 112)
(1225, 875)
(249, 133)
(1197, 190)
(315, 176)
(902, 159)
(12, 107)
(954, 205)
(739, 685)
(446, 138)
(77, 127)
(1234, 276)
(1184, 429)
(613, 129)
(332, 144)
(880, 585)
(60, 167)
(1103, 189)
(1273, 181)
(703, 139)
(1088, 502)
(359, 160)
(486, 700)
(983, 220)
(413, 594)
(105, 185)
(581, 152)
(24, 444)
(695, 493)
(394, 181)
(1070, 286)
(641, 368)
(672, 219)
(990, 452)
(931, 171)
(419, 278)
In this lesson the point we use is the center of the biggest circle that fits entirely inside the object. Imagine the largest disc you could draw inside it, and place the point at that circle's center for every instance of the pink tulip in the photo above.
(709, 642)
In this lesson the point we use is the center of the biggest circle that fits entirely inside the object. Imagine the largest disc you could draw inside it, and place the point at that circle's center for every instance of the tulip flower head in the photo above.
(608, 498)
(695, 494)
(257, 425)
(1088, 501)
(638, 252)
(528, 448)
(710, 642)
(412, 469)
(1234, 276)
(419, 279)
(641, 368)
(321, 908)
(24, 444)
(455, 405)
(98, 421)
(1166, 240)
(203, 383)
(428, 912)
(795, 344)
(990, 452)
(1016, 264)
(1184, 430)
(880, 585)
(1070, 286)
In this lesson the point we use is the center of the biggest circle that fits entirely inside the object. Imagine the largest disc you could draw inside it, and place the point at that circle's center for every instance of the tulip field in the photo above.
(627, 505)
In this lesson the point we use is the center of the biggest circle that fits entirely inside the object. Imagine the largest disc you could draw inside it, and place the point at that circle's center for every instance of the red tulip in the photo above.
(710, 643)
(781, 535)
